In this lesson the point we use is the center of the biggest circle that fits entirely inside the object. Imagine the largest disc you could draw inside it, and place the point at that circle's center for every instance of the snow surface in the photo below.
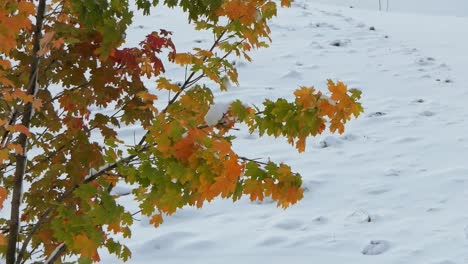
(392, 189)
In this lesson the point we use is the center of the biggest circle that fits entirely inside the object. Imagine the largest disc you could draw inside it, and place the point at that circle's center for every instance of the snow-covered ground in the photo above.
(392, 189)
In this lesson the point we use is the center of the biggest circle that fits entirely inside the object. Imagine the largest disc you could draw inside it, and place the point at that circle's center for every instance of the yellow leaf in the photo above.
(147, 69)
(204, 53)
(3, 154)
(146, 96)
(183, 58)
(164, 83)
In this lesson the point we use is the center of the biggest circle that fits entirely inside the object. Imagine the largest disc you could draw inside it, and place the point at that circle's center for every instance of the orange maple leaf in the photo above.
(115, 227)
(301, 144)
(305, 97)
(326, 109)
(338, 90)
(156, 220)
(245, 11)
(233, 168)
(223, 186)
(3, 241)
(85, 246)
(3, 196)
(286, 3)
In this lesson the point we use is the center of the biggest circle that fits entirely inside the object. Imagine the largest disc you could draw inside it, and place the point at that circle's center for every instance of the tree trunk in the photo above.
(21, 159)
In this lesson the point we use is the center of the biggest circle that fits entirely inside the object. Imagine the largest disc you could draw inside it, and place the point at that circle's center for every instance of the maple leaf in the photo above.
(146, 96)
(3, 196)
(233, 169)
(326, 109)
(115, 227)
(4, 154)
(286, 3)
(254, 189)
(156, 220)
(184, 149)
(37, 104)
(16, 147)
(305, 97)
(147, 69)
(183, 58)
(164, 83)
(179, 161)
(3, 240)
(300, 144)
(245, 11)
(338, 90)
(85, 246)
(20, 128)
(58, 43)
(224, 186)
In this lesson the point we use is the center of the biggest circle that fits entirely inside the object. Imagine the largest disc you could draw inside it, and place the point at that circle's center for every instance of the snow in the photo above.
(392, 189)
(216, 113)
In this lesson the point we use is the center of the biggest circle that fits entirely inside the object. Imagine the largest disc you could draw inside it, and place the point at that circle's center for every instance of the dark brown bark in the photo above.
(21, 159)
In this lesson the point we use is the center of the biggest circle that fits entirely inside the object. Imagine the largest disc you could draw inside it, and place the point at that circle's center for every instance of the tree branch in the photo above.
(89, 178)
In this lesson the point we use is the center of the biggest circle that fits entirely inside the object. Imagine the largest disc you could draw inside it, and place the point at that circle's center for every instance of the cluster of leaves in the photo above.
(66, 69)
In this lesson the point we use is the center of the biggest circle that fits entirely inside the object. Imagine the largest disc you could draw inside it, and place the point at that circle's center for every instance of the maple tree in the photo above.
(68, 86)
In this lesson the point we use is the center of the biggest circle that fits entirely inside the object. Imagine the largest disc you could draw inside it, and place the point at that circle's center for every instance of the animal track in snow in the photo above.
(376, 247)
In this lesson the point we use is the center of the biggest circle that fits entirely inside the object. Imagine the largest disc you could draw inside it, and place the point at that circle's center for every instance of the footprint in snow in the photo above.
(322, 25)
(312, 185)
(166, 241)
(377, 191)
(376, 114)
(425, 61)
(329, 142)
(361, 217)
(321, 220)
(272, 240)
(392, 173)
(289, 224)
(376, 247)
(419, 101)
(199, 244)
(444, 262)
(405, 140)
(292, 75)
(427, 113)
(340, 42)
